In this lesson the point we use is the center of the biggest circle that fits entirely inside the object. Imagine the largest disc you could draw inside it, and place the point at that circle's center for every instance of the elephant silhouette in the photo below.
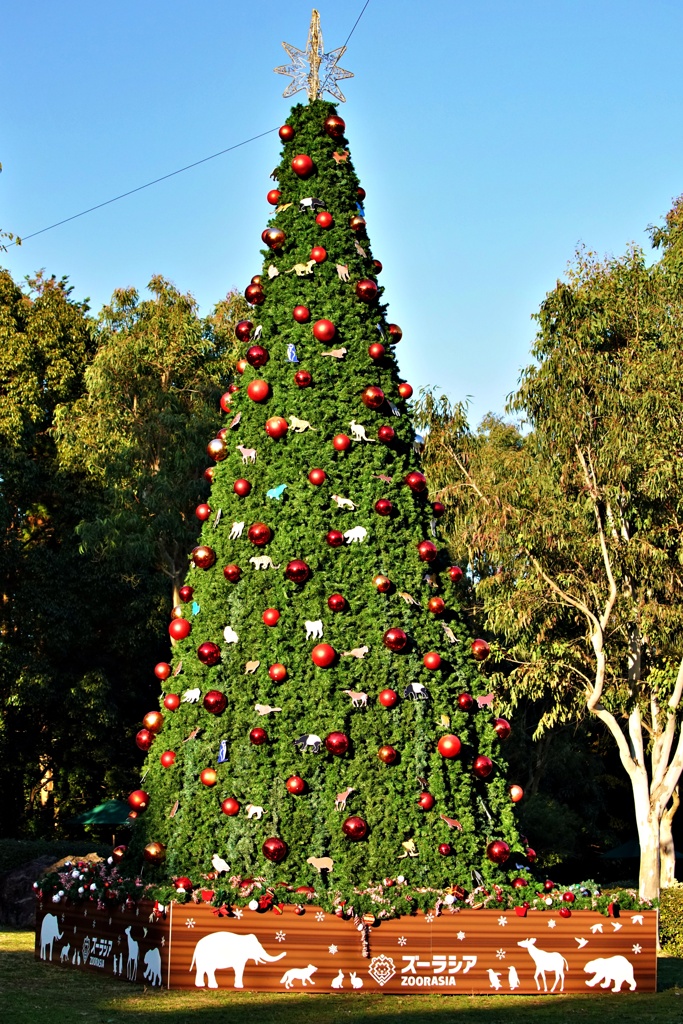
(220, 950)
(49, 931)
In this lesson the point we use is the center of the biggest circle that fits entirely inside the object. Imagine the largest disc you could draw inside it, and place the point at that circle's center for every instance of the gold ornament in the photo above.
(311, 65)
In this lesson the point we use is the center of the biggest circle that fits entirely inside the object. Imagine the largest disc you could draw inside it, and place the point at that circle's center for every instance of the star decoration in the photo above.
(320, 916)
(280, 936)
(500, 954)
(429, 918)
(333, 949)
(460, 936)
(552, 924)
(502, 921)
(312, 69)
(189, 923)
(238, 913)
(402, 940)
(637, 948)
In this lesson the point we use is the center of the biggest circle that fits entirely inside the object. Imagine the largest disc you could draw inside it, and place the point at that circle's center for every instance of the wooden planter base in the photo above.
(463, 953)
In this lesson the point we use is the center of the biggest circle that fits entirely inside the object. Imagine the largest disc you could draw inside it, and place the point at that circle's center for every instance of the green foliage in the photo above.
(14, 853)
(671, 919)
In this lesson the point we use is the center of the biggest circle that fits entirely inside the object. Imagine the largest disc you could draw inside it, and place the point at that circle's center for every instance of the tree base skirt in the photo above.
(467, 952)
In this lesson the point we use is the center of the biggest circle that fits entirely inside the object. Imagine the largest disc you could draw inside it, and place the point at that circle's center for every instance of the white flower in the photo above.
(502, 921)
(500, 954)
(402, 940)
(280, 936)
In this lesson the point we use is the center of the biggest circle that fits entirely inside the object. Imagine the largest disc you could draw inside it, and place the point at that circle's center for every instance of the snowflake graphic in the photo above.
(500, 954)
(453, 910)
(332, 949)
(402, 940)
(85, 912)
(502, 921)
(137, 911)
(163, 940)
(280, 936)
(189, 923)
(429, 918)
(320, 916)
(460, 936)
(552, 924)
(110, 921)
(239, 913)
(637, 948)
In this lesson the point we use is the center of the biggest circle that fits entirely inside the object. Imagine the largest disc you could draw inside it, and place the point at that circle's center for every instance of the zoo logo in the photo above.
(382, 969)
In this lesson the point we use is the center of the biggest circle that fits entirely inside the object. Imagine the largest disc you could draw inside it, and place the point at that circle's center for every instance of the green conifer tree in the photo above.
(311, 498)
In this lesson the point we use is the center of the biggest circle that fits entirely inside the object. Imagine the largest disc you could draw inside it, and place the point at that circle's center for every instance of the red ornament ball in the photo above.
(449, 746)
(520, 883)
(162, 670)
(355, 828)
(336, 603)
(274, 849)
(225, 401)
(274, 238)
(388, 698)
(179, 629)
(172, 701)
(502, 728)
(357, 224)
(286, 133)
(324, 330)
(295, 785)
(243, 330)
(335, 538)
(377, 266)
(118, 853)
(232, 573)
(436, 605)
(498, 851)
(185, 594)
(432, 661)
(548, 885)
(144, 739)
(516, 793)
(361, 193)
(568, 897)
(405, 390)
(341, 442)
(425, 801)
(302, 378)
(258, 390)
(208, 474)
(455, 573)
(215, 702)
(324, 219)
(271, 616)
(177, 611)
(366, 290)
(303, 166)
(445, 849)
(376, 351)
(565, 912)
(317, 477)
(241, 365)
(258, 737)
(382, 583)
(301, 314)
(531, 854)
(323, 655)
(395, 333)
(209, 653)
(318, 254)
(259, 534)
(138, 800)
(383, 507)
(373, 397)
(465, 702)
(155, 853)
(427, 551)
(277, 672)
(203, 556)
(416, 481)
(386, 434)
(297, 571)
(208, 777)
(480, 650)
(438, 508)
(253, 293)
(273, 197)
(168, 758)
(395, 639)
(337, 743)
(241, 487)
(257, 356)
(154, 721)
(276, 427)
(482, 766)
(387, 754)
(334, 126)
(230, 807)
(216, 449)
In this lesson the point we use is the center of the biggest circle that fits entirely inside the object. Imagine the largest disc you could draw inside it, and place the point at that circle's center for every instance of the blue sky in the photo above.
(491, 139)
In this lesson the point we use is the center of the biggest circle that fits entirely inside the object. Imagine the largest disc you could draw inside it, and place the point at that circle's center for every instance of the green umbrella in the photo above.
(113, 812)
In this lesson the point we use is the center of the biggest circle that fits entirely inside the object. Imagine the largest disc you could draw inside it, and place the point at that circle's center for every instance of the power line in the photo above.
(356, 23)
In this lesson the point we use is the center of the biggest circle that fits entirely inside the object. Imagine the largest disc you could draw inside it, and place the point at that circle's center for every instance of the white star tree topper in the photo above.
(312, 69)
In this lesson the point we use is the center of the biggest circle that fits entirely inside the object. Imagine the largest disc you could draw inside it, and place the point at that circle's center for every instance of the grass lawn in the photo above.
(34, 993)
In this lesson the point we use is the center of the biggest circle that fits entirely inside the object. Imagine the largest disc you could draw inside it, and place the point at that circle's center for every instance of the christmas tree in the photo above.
(325, 717)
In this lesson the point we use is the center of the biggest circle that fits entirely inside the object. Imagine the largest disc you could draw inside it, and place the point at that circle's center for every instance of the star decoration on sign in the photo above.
(238, 913)
(402, 940)
(460, 936)
(312, 69)
(320, 916)
(552, 924)
(500, 954)
(189, 923)
(280, 936)
(333, 949)
(502, 921)
(637, 948)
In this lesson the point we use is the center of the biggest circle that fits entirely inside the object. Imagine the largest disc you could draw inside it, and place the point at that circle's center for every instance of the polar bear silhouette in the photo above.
(611, 969)
(153, 966)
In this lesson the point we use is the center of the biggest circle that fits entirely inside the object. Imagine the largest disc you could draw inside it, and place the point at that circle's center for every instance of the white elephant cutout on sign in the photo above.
(219, 951)
(49, 931)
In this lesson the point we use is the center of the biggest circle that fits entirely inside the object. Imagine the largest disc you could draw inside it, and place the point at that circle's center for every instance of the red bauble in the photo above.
(366, 290)
(154, 721)
(301, 314)
(387, 754)
(516, 793)
(276, 427)
(172, 701)
(273, 196)
(482, 766)
(258, 737)
(530, 854)
(449, 746)
(337, 743)
(241, 365)
(480, 650)
(502, 728)
(144, 739)
(203, 556)
(271, 616)
(215, 702)
(277, 672)
(395, 333)
(388, 698)
(257, 356)
(241, 487)
(179, 629)
(209, 653)
(520, 883)
(436, 605)
(185, 594)
(317, 477)
(568, 897)
(382, 583)
(303, 166)
(274, 238)
(295, 785)
(361, 193)
(426, 801)
(455, 573)
(202, 512)
(335, 538)
(297, 571)
(445, 849)
(405, 390)
(138, 800)
(565, 912)
(258, 390)
(357, 224)
(386, 434)
(230, 807)
(427, 551)
(324, 330)
(323, 655)
(259, 534)
(253, 293)
(377, 266)
(416, 481)
(383, 507)
(177, 611)
(208, 777)
(376, 350)
(232, 573)
(324, 219)
(465, 702)
(336, 603)
(373, 397)
(498, 851)
(217, 450)
(341, 442)
(334, 126)
(162, 670)
(438, 508)
(168, 758)
(548, 885)
(286, 133)
(432, 661)
(225, 401)
(355, 828)
(274, 849)
(208, 474)
(302, 378)
(395, 639)
(155, 853)
(243, 330)
(318, 254)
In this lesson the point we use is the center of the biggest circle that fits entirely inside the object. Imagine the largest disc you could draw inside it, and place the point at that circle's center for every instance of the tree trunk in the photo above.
(648, 836)
(667, 853)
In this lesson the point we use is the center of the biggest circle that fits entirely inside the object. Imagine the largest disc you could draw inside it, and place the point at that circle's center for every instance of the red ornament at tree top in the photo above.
(286, 133)
(259, 534)
(323, 655)
(303, 166)
(324, 330)
(335, 126)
